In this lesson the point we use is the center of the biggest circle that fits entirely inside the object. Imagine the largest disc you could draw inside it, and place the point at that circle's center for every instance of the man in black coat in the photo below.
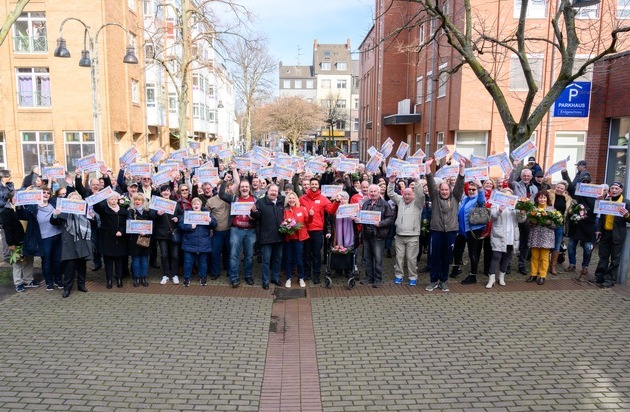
(269, 214)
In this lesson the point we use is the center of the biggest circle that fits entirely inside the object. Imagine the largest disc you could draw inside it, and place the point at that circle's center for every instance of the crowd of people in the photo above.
(291, 227)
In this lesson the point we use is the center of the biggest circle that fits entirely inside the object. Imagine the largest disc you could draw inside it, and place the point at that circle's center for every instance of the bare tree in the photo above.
(293, 117)
(252, 67)
(480, 42)
(11, 18)
(336, 115)
(185, 46)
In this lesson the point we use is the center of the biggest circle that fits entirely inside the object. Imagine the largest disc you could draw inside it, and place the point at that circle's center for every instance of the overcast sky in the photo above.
(289, 24)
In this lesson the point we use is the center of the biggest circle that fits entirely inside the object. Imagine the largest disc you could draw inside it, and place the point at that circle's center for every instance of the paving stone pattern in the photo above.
(521, 351)
(112, 351)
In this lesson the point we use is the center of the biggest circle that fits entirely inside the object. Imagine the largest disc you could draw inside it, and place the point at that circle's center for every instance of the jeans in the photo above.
(51, 259)
(169, 256)
(220, 239)
(523, 248)
(72, 267)
(374, 248)
(587, 252)
(241, 240)
(271, 258)
(292, 256)
(441, 253)
(140, 266)
(190, 258)
(559, 232)
(313, 255)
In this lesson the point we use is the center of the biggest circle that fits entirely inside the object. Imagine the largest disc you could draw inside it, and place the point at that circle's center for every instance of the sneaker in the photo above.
(164, 280)
(59, 285)
(413, 282)
(431, 286)
(186, 282)
(302, 283)
(32, 284)
(398, 281)
(50, 287)
(287, 284)
(175, 280)
(203, 282)
(444, 286)
(20, 288)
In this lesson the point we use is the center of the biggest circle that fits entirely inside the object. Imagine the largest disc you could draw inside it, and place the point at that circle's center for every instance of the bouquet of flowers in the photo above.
(124, 202)
(524, 204)
(289, 226)
(341, 249)
(542, 217)
(16, 255)
(424, 227)
(577, 213)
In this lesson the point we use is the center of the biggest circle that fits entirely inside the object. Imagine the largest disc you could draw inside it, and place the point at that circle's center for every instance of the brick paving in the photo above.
(522, 347)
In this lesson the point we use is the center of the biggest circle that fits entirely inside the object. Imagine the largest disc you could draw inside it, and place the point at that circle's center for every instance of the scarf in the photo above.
(344, 232)
(313, 195)
(79, 227)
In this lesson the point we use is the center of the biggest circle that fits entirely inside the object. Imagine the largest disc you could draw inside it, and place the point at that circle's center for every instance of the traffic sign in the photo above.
(573, 101)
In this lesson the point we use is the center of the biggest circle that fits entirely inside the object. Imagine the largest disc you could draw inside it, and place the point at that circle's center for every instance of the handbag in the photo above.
(143, 240)
(479, 215)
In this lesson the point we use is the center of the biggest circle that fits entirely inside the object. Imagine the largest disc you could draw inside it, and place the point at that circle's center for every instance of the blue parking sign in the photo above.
(573, 101)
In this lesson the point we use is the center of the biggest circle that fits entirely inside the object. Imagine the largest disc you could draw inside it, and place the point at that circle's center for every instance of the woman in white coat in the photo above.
(503, 239)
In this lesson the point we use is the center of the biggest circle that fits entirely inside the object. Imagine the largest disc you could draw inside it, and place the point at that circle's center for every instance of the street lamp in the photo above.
(89, 43)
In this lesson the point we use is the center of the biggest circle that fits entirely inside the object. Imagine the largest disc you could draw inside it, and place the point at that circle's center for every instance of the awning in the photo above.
(395, 119)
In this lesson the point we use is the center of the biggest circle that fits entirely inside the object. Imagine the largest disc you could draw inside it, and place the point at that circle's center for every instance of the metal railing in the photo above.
(30, 44)
(33, 99)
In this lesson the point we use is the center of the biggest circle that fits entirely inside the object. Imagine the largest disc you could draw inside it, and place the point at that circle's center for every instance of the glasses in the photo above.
(184, 190)
(47, 193)
(472, 190)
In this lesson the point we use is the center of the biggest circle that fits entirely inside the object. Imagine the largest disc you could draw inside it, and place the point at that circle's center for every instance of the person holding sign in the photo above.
(503, 239)
(317, 205)
(167, 236)
(196, 244)
(522, 187)
(374, 236)
(76, 246)
(408, 222)
(294, 242)
(611, 233)
(139, 254)
(112, 241)
(444, 224)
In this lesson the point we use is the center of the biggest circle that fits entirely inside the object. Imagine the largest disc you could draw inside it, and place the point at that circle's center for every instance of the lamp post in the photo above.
(89, 58)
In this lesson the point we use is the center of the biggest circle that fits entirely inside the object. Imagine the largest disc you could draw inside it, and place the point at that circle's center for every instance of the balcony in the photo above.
(30, 44)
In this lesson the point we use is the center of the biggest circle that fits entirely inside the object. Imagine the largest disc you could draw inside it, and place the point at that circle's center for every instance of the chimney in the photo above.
(315, 44)
(348, 44)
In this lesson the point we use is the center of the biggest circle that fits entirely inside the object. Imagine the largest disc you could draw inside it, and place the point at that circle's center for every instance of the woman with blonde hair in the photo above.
(112, 241)
(138, 210)
(541, 240)
(294, 243)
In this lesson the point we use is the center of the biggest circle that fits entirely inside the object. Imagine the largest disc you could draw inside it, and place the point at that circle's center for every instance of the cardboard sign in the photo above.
(72, 206)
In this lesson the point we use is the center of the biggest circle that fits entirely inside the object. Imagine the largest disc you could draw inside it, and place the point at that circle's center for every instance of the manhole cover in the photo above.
(286, 294)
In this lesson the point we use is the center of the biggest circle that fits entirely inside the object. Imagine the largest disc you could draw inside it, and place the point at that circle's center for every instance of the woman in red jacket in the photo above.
(294, 245)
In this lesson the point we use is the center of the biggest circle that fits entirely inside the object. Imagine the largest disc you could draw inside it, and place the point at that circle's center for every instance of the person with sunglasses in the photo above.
(43, 238)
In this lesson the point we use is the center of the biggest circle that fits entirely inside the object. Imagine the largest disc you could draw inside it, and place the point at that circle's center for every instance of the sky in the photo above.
(289, 24)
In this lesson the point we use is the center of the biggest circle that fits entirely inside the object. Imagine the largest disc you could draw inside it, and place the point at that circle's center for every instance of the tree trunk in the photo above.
(11, 18)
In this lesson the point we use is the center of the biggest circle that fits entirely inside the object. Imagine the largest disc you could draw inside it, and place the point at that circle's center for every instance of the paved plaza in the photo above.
(563, 346)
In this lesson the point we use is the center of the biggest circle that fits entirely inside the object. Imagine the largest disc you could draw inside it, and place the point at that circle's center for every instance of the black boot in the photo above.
(119, 283)
(109, 282)
(136, 282)
(145, 282)
(531, 279)
(470, 279)
(66, 293)
(455, 271)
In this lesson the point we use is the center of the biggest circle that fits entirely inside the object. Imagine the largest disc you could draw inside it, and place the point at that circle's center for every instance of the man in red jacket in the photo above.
(316, 204)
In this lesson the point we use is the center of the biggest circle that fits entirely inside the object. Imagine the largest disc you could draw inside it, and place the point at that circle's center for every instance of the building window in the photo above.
(440, 140)
(536, 9)
(212, 116)
(33, 87)
(623, 9)
(326, 84)
(577, 63)
(342, 84)
(429, 86)
(172, 102)
(442, 79)
(210, 90)
(355, 124)
(568, 144)
(150, 89)
(421, 34)
(419, 89)
(29, 33)
(617, 165)
(78, 144)
(517, 77)
(355, 103)
(297, 84)
(427, 144)
(196, 111)
(469, 143)
(3, 152)
(342, 66)
(286, 84)
(148, 7)
(38, 149)
(326, 66)
(135, 92)
(418, 142)
(310, 84)
(132, 5)
(590, 12)
(327, 54)
(341, 103)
